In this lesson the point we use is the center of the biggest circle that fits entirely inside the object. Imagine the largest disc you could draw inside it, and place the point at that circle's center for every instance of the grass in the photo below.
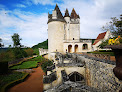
(5, 79)
(31, 63)
(26, 65)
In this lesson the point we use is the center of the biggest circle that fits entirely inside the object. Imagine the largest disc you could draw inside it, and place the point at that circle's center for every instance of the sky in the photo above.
(29, 18)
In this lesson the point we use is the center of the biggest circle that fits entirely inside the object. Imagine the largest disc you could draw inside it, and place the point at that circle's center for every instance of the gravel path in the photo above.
(34, 83)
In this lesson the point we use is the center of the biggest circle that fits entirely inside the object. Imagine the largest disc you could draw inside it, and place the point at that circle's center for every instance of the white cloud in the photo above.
(43, 2)
(31, 28)
(93, 14)
(20, 5)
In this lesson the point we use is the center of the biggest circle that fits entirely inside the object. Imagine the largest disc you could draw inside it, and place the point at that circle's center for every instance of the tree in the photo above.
(16, 39)
(115, 26)
(18, 51)
(1, 43)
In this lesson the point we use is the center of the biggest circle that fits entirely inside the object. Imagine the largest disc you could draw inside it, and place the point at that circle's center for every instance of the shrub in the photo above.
(29, 51)
(7, 56)
(45, 64)
(3, 67)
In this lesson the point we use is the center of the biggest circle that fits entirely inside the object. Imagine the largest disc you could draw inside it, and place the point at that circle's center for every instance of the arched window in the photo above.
(75, 76)
(70, 48)
(73, 38)
(76, 48)
(85, 46)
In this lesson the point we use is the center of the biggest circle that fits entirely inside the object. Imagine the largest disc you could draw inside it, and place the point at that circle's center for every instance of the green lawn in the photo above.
(31, 63)
(5, 79)
(26, 65)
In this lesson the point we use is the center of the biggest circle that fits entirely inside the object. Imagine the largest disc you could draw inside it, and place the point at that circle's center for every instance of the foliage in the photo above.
(26, 65)
(31, 63)
(104, 43)
(1, 43)
(17, 50)
(5, 79)
(115, 26)
(7, 56)
(3, 67)
(29, 51)
(43, 45)
(16, 39)
(45, 64)
(116, 41)
(36, 51)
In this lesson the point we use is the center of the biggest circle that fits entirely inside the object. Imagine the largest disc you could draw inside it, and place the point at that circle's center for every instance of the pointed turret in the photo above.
(66, 13)
(59, 14)
(73, 14)
(56, 15)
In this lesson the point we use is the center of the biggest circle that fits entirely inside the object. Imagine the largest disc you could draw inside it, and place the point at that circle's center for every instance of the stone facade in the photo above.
(64, 33)
(97, 74)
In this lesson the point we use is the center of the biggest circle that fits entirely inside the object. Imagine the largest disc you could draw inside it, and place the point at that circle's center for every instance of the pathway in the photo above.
(34, 83)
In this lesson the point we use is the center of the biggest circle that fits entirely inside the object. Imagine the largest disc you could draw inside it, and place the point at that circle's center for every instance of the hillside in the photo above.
(43, 45)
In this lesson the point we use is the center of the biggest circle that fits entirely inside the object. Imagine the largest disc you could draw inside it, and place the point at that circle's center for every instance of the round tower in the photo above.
(56, 27)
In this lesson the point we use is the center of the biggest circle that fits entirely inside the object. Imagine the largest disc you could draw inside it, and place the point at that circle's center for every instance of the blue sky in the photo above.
(28, 18)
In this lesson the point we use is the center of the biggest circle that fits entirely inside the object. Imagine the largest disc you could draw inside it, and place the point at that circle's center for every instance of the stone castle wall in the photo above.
(99, 74)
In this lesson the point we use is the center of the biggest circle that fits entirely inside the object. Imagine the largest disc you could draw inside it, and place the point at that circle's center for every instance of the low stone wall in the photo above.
(42, 51)
(99, 74)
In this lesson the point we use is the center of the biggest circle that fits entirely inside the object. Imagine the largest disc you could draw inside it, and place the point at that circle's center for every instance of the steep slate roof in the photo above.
(74, 14)
(99, 37)
(66, 13)
(59, 14)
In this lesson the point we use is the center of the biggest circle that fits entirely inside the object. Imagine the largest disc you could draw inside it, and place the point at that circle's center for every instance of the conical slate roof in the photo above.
(66, 13)
(59, 14)
(73, 14)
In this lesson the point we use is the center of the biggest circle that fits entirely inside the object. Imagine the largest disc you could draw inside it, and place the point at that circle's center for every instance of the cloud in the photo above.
(93, 14)
(21, 5)
(2, 6)
(31, 28)
(42, 2)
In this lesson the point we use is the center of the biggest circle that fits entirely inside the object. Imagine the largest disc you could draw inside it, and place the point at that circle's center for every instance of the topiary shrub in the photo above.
(3, 67)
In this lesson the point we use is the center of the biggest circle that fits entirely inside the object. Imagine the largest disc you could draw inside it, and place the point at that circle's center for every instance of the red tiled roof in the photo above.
(101, 36)
(96, 41)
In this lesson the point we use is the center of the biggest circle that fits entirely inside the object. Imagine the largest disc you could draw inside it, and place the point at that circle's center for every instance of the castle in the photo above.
(64, 34)
(72, 72)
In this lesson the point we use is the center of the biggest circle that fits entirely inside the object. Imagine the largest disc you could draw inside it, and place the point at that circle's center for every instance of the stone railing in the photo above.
(101, 56)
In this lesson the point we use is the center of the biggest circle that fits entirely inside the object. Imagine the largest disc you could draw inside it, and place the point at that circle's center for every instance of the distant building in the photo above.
(100, 38)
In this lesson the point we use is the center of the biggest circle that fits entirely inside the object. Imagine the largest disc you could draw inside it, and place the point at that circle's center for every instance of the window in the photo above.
(85, 46)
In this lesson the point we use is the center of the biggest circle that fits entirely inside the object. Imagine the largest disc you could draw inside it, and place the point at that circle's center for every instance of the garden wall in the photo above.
(99, 74)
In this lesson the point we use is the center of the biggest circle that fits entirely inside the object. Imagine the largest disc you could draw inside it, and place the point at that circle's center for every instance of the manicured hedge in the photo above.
(3, 67)
(13, 83)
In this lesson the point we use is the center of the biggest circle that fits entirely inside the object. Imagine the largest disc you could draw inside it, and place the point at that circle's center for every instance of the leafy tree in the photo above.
(115, 26)
(1, 43)
(29, 51)
(16, 39)
(18, 51)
